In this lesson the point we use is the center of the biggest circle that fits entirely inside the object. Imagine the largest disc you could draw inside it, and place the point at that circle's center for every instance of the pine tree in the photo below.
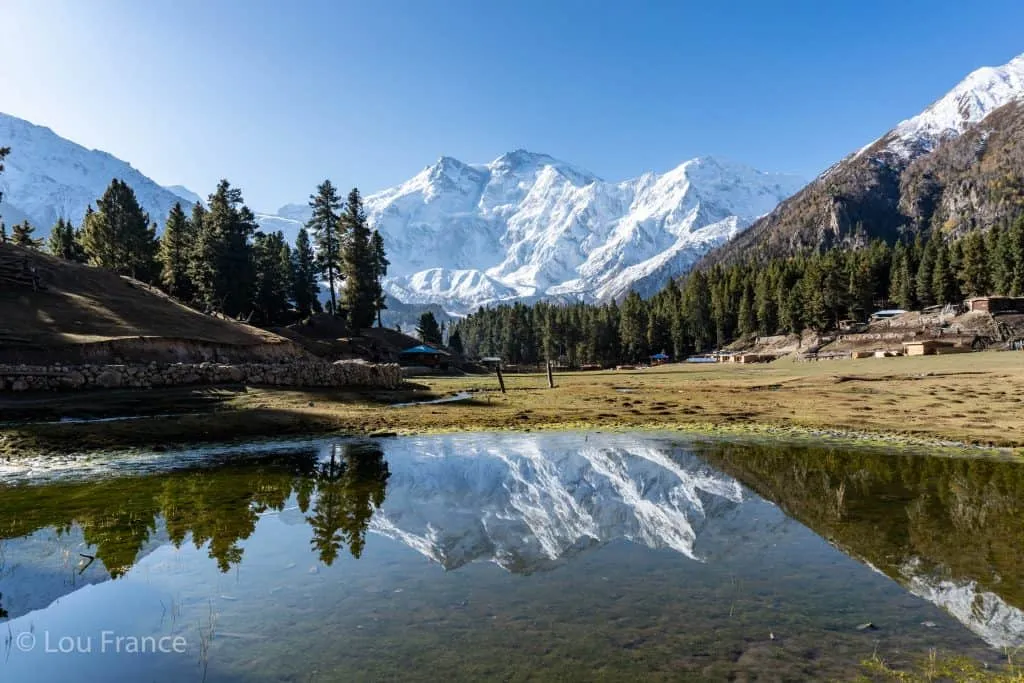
(380, 270)
(944, 285)
(765, 303)
(861, 285)
(633, 327)
(1015, 257)
(901, 280)
(815, 298)
(428, 330)
(1000, 262)
(21, 235)
(272, 265)
(659, 330)
(697, 304)
(975, 267)
(455, 341)
(4, 151)
(305, 286)
(793, 316)
(63, 242)
(223, 267)
(118, 235)
(176, 249)
(198, 266)
(747, 314)
(923, 280)
(357, 265)
(328, 234)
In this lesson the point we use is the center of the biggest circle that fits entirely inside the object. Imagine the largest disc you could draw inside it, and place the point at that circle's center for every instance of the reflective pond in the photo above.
(512, 557)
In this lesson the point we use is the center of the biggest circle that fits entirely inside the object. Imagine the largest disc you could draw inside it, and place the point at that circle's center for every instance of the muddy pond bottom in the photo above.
(565, 556)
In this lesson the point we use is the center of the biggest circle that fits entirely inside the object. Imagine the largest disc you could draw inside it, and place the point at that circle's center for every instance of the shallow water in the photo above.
(572, 556)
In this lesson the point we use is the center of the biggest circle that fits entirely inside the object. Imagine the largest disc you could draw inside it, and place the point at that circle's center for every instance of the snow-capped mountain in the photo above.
(522, 227)
(974, 98)
(987, 614)
(47, 177)
(526, 503)
(186, 194)
(916, 175)
(527, 225)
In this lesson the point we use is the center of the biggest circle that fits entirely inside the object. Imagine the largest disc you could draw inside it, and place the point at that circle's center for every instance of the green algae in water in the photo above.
(514, 556)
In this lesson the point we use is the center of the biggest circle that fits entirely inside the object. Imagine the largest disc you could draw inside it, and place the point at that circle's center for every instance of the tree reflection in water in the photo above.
(350, 486)
(910, 516)
(216, 507)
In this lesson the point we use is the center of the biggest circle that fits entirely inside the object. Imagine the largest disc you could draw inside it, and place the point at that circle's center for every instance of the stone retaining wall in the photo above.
(353, 373)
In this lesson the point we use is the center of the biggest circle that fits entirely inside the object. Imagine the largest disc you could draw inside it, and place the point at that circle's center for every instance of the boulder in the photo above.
(109, 379)
(72, 380)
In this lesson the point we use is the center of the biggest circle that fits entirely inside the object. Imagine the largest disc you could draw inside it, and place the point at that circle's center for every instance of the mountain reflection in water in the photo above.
(948, 530)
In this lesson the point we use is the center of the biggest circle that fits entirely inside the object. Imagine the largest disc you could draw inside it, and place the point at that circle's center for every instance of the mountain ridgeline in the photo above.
(522, 227)
(215, 259)
(957, 166)
(529, 228)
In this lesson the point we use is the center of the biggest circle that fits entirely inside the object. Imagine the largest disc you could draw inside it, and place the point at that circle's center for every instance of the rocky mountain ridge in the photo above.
(959, 161)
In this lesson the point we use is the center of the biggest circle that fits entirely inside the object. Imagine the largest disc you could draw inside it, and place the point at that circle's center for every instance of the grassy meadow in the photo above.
(967, 399)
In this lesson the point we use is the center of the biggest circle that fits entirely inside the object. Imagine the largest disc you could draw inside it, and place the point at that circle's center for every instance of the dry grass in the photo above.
(80, 305)
(969, 398)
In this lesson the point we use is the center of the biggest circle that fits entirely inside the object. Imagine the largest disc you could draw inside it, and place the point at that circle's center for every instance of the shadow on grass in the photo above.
(166, 418)
(105, 403)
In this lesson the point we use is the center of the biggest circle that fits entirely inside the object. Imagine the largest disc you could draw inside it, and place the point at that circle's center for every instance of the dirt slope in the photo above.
(55, 310)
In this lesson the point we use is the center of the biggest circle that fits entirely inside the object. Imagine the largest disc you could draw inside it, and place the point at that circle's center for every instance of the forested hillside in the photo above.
(215, 258)
(709, 308)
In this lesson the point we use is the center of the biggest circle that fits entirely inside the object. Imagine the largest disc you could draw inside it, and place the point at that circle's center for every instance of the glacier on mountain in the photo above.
(528, 226)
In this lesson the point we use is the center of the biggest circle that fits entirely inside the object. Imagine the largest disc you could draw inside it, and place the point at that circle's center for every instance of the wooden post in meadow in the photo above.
(551, 378)
(501, 380)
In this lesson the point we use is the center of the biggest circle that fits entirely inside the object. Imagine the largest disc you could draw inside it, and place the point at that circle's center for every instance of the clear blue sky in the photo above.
(276, 95)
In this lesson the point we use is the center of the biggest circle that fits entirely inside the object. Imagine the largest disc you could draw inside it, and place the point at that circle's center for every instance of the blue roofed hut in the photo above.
(424, 355)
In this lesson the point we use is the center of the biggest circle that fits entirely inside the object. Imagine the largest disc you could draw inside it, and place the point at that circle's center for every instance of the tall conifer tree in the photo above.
(64, 243)
(4, 151)
(944, 285)
(273, 277)
(428, 330)
(380, 270)
(974, 274)
(357, 265)
(923, 282)
(118, 235)
(329, 236)
(223, 273)
(305, 285)
(176, 248)
(633, 327)
(1015, 257)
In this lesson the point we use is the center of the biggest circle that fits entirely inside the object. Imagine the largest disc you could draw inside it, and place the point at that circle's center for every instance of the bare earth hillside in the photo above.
(55, 310)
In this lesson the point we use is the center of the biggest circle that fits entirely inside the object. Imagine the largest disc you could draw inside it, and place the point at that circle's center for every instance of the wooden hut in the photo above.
(932, 347)
(996, 304)
(424, 355)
